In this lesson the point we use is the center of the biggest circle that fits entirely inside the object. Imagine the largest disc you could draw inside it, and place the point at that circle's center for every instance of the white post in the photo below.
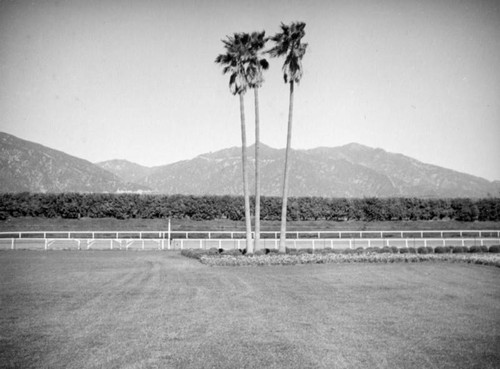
(12, 244)
(168, 230)
(45, 244)
(201, 245)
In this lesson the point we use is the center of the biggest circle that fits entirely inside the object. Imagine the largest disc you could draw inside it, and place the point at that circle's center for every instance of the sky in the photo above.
(136, 80)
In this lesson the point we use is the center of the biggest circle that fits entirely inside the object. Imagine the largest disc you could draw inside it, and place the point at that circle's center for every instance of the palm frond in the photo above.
(288, 43)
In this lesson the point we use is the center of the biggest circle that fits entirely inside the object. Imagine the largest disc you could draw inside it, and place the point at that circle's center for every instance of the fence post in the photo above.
(168, 230)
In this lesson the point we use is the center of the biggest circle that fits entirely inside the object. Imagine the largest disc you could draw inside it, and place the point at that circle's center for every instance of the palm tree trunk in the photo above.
(257, 171)
(244, 160)
(282, 247)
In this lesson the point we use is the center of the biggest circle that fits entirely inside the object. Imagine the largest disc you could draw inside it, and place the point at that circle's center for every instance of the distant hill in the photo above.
(126, 170)
(28, 166)
(351, 170)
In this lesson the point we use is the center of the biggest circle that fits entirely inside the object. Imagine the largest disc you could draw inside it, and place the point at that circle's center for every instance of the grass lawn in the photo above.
(116, 309)
(111, 224)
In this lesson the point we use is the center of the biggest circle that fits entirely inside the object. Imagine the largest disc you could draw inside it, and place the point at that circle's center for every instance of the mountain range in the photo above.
(352, 170)
(28, 166)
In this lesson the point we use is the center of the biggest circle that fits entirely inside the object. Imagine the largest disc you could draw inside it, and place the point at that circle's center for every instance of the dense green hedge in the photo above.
(123, 206)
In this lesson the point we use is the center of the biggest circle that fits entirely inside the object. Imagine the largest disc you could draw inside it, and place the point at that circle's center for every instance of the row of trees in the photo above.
(125, 206)
(243, 60)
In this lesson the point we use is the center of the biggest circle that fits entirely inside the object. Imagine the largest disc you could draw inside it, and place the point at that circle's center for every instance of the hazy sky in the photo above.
(136, 80)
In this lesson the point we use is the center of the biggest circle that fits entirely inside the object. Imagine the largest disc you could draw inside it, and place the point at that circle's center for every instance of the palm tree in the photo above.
(255, 68)
(288, 43)
(235, 62)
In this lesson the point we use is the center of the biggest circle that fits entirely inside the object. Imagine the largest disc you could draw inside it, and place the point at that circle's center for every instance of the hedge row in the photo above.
(124, 206)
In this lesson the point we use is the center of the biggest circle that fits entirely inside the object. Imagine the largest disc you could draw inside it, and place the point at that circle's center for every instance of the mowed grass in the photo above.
(116, 309)
(110, 224)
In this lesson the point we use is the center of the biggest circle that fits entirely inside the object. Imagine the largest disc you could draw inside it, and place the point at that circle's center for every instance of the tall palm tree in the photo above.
(288, 43)
(234, 62)
(255, 68)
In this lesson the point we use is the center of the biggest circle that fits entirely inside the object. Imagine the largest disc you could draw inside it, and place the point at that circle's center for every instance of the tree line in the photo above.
(125, 206)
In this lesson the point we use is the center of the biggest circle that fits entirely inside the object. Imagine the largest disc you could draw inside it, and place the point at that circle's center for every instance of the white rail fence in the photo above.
(119, 240)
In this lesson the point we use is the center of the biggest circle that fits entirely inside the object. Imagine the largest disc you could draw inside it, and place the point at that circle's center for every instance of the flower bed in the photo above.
(285, 259)
(220, 257)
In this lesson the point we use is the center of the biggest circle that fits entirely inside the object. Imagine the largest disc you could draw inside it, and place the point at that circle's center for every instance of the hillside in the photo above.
(28, 166)
(126, 170)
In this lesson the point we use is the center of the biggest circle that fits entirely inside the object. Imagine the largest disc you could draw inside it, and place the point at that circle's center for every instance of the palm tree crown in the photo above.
(243, 62)
(288, 42)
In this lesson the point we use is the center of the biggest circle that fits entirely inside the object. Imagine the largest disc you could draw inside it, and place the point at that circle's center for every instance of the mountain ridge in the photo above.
(351, 170)
(27, 166)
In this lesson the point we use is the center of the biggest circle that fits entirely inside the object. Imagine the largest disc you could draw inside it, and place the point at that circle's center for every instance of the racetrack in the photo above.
(117, 309)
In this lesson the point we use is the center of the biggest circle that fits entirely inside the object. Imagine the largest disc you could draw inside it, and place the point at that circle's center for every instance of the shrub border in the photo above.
(219, 257)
